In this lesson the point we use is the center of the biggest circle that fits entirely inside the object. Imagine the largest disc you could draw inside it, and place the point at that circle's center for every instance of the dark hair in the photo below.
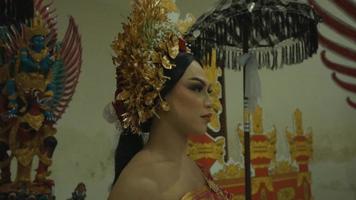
(129, 144)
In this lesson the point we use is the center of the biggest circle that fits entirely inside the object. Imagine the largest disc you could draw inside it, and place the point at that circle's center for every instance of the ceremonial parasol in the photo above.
(276, 32)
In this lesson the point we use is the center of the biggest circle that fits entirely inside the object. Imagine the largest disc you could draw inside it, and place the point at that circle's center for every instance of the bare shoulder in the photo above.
(136, 181)
(136, 188)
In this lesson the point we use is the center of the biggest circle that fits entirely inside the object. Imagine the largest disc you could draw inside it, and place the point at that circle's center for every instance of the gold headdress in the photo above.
(37, 27)
(147, 45)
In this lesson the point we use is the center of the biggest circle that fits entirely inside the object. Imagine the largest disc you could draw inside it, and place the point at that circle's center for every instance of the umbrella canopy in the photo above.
(279, 32)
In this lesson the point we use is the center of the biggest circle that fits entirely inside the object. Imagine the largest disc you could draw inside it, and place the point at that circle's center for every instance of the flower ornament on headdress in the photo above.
(146, 47)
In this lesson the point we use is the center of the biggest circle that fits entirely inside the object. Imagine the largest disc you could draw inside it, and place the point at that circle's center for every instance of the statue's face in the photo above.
(38, 42)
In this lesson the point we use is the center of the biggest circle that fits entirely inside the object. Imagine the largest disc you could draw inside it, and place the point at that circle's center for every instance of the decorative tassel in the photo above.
(303, 50)
(300, 52)
(275, 59)
(293, 54)
(224, 57)
(227, 61)
(268, 59)
(259, 58)
(236, 60)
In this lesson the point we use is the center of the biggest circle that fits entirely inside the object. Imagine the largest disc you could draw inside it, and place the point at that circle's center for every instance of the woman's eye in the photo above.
(197, 88)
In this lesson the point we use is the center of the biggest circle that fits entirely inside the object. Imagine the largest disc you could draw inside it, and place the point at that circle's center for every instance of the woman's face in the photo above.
(189, 101)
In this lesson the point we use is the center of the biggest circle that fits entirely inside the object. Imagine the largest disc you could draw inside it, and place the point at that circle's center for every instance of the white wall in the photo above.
(86, 142)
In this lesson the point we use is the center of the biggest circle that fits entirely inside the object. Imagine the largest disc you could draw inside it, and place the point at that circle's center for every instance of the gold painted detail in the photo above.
(24, 151)
(169, 5)
(257, 121)
(213, 150)
(230, 171)
(213, 72)
(298, 122)
(263, 194)
(48, 130)
(38, 56)
(300, 143)
(29, 81)
(262, 149)
(258, 181)
(35, 121)
(238, 197)
(303, 176)
(24, 156)
(286, 194)
(37, 27)
(24, 172)
(283, 167)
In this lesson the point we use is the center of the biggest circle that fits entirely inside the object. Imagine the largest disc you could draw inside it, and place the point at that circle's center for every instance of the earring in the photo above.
(165, 106)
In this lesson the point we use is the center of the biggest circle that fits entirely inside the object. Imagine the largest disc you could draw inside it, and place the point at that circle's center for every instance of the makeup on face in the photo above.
(190, 101)
(197, 84)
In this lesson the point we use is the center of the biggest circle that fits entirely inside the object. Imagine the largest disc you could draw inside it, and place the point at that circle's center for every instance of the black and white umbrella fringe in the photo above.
(288, 52)
(277, 35)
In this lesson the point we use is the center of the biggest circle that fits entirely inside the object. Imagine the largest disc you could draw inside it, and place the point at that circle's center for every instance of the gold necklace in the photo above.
(38, 56)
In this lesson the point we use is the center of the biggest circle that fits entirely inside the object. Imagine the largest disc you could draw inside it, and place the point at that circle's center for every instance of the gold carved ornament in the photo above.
(37, 27)
(238, 197)
(283, 167)
(257, 182)
(28, 81)
(38, 56)
(263, 194)
(300, 143)
(213, 150)
(286, 194)
(25, 151)
(230, 171)
(213, 72)
(303, 177)
(35, 121)
(143, 50)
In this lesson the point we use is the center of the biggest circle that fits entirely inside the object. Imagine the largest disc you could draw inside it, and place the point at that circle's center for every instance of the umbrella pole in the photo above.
(247, 159)
(246, 118)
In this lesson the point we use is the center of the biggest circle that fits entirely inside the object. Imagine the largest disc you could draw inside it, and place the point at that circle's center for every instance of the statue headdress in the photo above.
(146, 47)
(37, 27)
